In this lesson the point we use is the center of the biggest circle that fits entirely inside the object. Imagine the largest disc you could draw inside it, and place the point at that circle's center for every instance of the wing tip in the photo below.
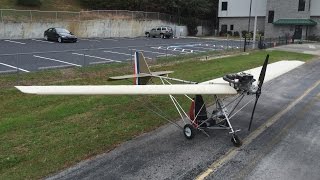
(26, 89)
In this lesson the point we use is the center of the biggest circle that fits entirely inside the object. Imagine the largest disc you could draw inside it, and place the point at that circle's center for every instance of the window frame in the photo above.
(224, 6)
(302, 5)
(271, 14)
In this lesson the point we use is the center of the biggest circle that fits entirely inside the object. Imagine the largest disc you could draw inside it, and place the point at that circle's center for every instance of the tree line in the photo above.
(201, 9)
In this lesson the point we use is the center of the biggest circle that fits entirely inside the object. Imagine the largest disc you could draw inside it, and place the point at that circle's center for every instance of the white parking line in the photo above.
(54, 67)
(56, 60)
(14, 67)
(95, 57)
(152, 52)
(41, 41)
(168, 49)
(8, 71)
(109, 39)
(90, 40)
(100, 62)
(114, 52)
(14, 42)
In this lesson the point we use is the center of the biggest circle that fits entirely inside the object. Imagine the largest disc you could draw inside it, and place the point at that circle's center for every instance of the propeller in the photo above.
(260, 83)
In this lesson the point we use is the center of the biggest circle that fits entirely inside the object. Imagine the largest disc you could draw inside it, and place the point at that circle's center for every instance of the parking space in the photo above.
(28, 55)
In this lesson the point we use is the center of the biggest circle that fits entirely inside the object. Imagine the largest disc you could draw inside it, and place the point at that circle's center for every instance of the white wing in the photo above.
(217, 89)
(273, 70)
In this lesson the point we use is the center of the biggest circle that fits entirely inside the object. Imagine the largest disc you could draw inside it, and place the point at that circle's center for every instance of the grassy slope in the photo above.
(47, 5)
(40, 135)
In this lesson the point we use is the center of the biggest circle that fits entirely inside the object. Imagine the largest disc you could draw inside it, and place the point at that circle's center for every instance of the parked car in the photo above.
(60, 35)
(161, 31)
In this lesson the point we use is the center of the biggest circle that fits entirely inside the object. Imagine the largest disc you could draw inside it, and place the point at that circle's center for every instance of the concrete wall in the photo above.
(92, 28)
(241, 8)
(241, 24)
(315, 30)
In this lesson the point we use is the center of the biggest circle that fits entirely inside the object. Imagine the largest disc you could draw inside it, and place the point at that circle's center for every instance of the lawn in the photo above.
(41, 135)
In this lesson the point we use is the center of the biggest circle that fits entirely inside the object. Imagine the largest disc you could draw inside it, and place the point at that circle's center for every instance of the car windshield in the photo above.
(60, 30)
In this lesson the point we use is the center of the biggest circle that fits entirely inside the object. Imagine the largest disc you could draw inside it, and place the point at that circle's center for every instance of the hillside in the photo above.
(47, 5)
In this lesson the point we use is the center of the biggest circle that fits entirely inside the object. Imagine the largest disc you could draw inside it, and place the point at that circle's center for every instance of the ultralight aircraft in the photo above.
(235, 86)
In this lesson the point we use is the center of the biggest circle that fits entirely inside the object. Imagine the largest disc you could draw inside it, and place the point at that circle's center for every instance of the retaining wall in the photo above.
(90, 28)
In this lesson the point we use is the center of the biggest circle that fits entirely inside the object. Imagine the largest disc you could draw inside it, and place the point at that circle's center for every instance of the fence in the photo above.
(13, 15)
(264, 43)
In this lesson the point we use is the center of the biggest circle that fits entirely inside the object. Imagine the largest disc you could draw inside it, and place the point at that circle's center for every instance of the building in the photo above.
(294, 18)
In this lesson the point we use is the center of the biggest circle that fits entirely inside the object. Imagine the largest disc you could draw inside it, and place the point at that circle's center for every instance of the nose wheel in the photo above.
(236, 140)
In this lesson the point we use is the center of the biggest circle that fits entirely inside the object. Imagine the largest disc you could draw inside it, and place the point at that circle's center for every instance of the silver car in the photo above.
(161, 31)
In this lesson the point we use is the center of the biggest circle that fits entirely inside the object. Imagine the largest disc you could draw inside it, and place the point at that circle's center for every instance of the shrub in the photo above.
(221, 33)
(243, 33)
(29, 2)
(236, 34)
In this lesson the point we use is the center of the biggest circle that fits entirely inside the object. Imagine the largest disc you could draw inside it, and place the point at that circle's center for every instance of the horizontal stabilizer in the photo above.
(274, 70)
(216, 89)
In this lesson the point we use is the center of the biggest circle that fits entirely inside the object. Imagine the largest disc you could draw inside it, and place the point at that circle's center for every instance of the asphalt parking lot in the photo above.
(27, 55)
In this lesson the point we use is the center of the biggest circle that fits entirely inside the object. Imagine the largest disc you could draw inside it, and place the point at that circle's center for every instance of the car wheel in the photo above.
(59, 40)
(148, 34)
(46, 37)
(161, 36)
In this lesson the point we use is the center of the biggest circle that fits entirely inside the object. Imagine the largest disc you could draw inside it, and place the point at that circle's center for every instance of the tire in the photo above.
(60, 40)
(236, 140)
(147, 34)
(189, 131)
(46, 38)
(162, 36)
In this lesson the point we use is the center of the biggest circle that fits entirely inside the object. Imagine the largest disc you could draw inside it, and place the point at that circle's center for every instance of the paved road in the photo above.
(288, 149)
(37, 54)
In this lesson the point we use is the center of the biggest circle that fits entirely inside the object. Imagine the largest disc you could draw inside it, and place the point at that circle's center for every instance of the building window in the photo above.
(271, 17)
(302, 5)
(224, 6)
(231, 27)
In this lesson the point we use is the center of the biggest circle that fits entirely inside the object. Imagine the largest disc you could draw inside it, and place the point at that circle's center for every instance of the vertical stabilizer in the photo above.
(140, 66)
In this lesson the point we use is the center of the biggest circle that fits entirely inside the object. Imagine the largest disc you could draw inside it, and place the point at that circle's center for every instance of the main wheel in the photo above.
(236, 140)
(60, 40)
(188, 131)
(148, 34)
(46, 37)
(162, 36)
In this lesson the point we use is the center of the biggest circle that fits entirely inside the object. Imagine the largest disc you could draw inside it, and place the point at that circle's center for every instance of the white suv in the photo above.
(161, 31)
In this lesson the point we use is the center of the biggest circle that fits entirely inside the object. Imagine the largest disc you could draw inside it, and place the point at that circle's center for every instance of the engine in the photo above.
(242, 82)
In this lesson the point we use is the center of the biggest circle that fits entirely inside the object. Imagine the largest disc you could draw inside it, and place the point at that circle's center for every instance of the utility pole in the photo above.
(245, 37)
(255, 26)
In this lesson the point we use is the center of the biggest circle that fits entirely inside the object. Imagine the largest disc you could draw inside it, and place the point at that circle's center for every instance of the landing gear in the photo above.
(189, 131)
(236, 140)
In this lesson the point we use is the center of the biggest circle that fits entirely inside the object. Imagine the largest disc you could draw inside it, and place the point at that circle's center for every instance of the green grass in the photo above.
(41, 135)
